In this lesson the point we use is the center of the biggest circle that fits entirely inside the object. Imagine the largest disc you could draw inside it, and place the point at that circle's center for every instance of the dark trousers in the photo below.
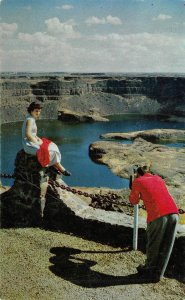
(161, 236)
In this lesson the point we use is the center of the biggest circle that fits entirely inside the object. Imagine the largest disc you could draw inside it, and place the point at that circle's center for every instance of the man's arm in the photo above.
(134, 196)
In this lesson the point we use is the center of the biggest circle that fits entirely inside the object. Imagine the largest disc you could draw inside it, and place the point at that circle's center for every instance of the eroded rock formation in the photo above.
(154, 135)
(168, 162)
(70, 116)
(109, 95)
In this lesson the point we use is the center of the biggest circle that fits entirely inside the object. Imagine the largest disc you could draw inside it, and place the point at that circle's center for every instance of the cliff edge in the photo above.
(89, 94)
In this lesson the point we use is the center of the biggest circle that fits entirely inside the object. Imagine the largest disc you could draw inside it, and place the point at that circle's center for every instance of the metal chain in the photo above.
(4, 175)
(94, 197)
(98, 197)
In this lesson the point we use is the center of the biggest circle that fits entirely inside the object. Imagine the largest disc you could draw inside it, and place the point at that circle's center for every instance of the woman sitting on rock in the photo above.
(47, 152)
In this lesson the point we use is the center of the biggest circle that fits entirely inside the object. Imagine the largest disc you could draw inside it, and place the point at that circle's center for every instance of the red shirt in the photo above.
(153, 191)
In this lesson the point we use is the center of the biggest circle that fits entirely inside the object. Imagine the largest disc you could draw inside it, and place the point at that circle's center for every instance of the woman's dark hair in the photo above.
(34, 105)
(142, 170)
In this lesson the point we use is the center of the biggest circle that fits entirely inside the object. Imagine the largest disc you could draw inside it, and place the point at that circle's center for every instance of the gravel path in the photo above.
(39, 264)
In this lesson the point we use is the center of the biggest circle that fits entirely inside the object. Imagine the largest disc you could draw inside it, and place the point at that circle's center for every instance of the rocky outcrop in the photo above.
(168, 162)
(154, 135)
(69, 116)
(111, 95)
(20, 205)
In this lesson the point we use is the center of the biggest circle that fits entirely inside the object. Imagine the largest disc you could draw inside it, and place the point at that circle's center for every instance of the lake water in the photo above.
(73, 141)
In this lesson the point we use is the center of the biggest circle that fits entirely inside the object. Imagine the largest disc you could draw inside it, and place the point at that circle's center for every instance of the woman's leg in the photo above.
(61, 169)
(55, 158)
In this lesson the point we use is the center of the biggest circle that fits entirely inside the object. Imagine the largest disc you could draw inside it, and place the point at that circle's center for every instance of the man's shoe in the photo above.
(142, 269)
(150, 273)
(155, 278)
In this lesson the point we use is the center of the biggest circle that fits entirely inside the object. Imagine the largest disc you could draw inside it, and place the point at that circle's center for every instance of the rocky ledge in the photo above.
(168, 162)
(154, 135)
(71, 116)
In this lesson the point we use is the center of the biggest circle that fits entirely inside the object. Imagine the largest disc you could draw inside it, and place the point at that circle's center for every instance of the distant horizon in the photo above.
(76, 72)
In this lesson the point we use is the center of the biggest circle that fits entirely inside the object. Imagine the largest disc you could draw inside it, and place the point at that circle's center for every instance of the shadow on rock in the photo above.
(78, 270)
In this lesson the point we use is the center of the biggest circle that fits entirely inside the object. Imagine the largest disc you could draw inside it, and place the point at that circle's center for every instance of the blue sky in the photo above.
(93, 35)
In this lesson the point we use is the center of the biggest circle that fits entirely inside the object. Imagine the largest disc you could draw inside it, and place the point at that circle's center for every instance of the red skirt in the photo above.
(43, 153)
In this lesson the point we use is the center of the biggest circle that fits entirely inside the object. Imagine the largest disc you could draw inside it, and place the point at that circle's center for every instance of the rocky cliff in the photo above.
(84, 94)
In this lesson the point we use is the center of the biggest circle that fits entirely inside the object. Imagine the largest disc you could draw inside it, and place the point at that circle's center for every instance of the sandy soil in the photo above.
(39, 264)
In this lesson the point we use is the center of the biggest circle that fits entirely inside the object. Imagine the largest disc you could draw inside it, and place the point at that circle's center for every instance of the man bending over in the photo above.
(162, 219)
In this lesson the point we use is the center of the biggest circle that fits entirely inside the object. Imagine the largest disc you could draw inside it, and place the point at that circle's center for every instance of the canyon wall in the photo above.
(93, 94)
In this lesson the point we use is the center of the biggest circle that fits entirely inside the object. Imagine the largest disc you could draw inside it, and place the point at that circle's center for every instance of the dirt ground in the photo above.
(39, 264)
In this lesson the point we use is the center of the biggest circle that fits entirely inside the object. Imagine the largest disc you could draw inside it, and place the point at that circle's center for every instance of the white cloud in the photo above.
(145, 41)
(162, 17)
(56, 27)
(65, 7)
(7, 29)
(27, 7)
(38, 38)
(95, 21)
(144, 52)
(56, 55)
(113, 20)
(113, 52)
(100, 21)
(1, 1)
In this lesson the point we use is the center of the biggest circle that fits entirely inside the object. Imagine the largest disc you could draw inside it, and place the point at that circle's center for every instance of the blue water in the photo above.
(74, 140)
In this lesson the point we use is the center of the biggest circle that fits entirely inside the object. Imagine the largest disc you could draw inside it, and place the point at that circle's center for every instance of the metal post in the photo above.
(43, 191)
(135, 230)
(136, 209)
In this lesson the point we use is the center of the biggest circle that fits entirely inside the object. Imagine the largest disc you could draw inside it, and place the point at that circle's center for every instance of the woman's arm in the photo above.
(39, 141)
(30, 137)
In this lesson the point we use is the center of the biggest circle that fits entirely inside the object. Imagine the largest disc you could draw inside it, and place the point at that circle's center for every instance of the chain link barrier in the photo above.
(111, 197)
(4, 175)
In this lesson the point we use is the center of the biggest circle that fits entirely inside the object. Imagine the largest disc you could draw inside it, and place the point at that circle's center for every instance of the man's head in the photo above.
(142, 171)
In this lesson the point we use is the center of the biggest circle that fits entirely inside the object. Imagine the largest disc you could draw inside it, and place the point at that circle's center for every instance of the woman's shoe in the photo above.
(66, 173)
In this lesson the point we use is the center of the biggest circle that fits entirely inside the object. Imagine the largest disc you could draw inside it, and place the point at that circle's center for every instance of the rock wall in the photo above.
(111, 95)
(20, 206)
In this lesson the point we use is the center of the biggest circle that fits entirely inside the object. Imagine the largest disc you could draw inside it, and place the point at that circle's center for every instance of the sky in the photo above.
(92, 36)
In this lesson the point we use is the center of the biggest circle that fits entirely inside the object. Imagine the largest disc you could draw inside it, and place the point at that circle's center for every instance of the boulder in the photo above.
(72, 116)
(20, 205)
